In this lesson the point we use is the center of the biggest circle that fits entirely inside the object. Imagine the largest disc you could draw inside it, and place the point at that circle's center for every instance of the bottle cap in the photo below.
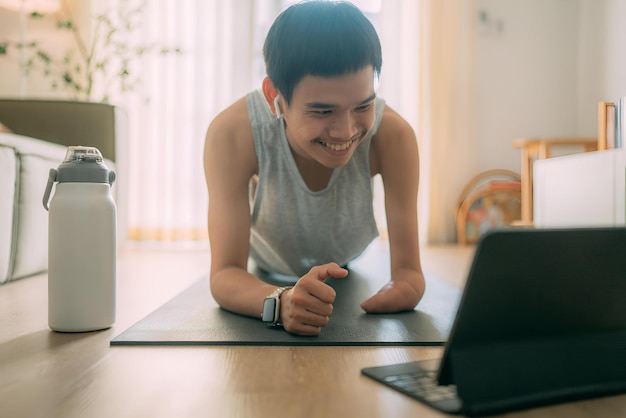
(84, 164)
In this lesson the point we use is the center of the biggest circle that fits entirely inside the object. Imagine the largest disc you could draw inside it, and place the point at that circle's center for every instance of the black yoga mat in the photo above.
(193, 318)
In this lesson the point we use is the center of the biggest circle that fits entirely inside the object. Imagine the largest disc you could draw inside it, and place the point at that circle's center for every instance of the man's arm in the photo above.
(230, 163)
(395, 157)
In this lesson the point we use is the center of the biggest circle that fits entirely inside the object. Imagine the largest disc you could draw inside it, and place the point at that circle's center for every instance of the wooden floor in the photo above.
(49, 374)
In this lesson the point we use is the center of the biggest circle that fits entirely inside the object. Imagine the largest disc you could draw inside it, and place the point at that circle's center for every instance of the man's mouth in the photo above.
(333, 146)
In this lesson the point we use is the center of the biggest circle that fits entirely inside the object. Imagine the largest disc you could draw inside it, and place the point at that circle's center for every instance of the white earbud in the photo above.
(279, 114)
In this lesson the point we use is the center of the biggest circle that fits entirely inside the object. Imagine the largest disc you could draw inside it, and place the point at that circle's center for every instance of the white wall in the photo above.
(541, 67)
(602, 60)
(526, 75)
(614, 71)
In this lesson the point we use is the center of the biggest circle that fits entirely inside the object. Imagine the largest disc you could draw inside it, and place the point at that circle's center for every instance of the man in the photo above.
(313, 138)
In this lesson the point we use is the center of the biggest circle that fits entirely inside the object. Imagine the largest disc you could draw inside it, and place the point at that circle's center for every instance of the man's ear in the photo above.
(271, 93)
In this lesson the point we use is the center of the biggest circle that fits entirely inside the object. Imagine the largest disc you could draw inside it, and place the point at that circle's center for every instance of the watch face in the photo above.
(269, 310)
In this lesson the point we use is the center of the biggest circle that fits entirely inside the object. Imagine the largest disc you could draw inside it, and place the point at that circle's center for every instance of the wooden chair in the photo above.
(541, 148)
(535, 148)
(606, 125)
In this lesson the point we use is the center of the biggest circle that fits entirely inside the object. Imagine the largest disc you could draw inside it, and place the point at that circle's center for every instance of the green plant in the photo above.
(105, 61)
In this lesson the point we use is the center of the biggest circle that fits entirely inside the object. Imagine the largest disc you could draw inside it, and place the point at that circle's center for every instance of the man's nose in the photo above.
(343, 126)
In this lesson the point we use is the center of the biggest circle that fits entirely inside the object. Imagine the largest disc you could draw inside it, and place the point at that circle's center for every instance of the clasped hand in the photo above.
(307, 307)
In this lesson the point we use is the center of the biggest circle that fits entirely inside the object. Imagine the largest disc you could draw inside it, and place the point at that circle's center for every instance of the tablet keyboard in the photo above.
(420, 383)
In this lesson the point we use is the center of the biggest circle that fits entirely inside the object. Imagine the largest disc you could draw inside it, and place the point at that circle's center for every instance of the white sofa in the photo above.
(40, 131)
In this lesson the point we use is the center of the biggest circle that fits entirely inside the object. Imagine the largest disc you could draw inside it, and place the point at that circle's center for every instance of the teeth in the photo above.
(337, 147)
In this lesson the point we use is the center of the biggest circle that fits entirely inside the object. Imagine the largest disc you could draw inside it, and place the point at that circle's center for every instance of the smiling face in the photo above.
(328, 117)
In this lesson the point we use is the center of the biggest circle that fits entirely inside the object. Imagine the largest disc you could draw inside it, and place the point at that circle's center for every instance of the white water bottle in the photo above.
(81, 243)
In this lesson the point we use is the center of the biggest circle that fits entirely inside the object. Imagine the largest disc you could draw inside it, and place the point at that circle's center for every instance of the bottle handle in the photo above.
(52, 176)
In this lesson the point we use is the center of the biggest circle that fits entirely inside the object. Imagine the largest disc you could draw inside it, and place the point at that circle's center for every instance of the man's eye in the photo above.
(322, 112)
(364, 108)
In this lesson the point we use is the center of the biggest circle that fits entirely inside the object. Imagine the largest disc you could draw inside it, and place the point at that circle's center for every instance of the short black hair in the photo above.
(319, 38)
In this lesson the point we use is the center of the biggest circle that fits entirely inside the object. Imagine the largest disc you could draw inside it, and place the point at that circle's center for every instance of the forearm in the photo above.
(406, 270)
(411, 281)
(404, 290)
(236, 290)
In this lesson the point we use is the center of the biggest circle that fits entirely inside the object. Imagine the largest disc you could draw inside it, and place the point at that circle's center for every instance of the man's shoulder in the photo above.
(233, 115)
(230, 136)
(395, 138)
(230, 132)
(233, 122)
(392, 125)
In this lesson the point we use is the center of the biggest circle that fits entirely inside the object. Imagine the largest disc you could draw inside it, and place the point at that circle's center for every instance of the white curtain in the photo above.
(427, 77)
(448, 142)
(400, 36)
(178, 96)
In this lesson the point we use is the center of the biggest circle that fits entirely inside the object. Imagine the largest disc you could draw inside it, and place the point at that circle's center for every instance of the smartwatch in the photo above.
(271, 307)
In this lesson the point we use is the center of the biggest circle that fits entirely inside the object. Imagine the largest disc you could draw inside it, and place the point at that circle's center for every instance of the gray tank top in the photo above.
(294, 228)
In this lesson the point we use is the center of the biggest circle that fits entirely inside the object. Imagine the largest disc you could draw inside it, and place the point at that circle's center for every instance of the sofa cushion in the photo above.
(31, 252)
(33, 158)
(8, 179)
